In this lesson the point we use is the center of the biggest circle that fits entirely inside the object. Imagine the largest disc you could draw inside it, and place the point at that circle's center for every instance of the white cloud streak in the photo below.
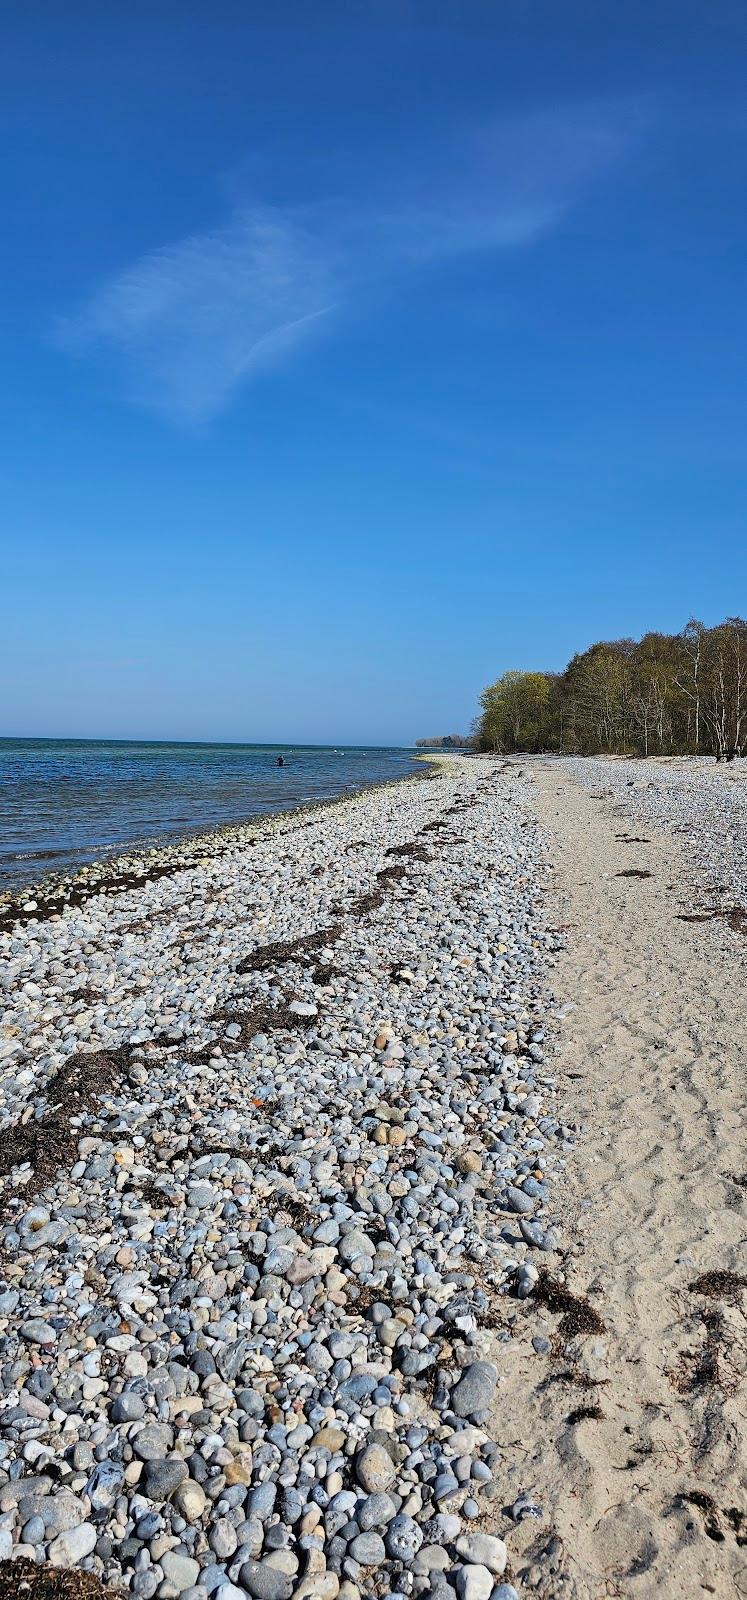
(193, 321)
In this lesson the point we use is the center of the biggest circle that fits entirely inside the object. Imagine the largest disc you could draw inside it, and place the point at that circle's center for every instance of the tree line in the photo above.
(664, 694)
(445, 741)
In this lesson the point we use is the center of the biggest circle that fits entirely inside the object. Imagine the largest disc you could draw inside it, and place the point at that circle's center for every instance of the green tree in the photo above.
(514, 712)
(665, 694)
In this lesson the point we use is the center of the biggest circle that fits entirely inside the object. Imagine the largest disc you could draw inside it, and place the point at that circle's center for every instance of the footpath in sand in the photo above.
(634, 1435)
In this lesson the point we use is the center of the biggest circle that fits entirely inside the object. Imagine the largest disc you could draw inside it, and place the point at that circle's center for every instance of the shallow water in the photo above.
(64, 802)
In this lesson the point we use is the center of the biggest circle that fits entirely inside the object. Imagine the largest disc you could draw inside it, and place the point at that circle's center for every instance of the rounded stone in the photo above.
(264, 1582)
(182, 1571)
(190, 1500)
(153, 1441)
(485, 1550)
(375, 1469)
(127, 1408)
(161, 1478)
(475, 1389)
(368, 1549)
(72, 1546)
(403, 1539)
(375, 1511)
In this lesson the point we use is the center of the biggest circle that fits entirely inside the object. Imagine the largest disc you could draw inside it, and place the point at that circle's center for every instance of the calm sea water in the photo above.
(64, 802)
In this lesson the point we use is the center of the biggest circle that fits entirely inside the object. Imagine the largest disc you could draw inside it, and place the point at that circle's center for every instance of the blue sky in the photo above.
(354, 353)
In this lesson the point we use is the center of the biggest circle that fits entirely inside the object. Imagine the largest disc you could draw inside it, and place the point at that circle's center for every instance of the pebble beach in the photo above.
(279, 1137)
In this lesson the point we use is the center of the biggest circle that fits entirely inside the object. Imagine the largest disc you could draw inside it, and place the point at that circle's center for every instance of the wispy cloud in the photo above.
(194, 320)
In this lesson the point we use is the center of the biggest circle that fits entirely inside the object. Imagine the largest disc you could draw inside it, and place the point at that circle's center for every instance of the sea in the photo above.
(65, 802)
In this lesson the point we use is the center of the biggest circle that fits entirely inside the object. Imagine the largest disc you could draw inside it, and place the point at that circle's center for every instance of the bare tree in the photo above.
(688, 678)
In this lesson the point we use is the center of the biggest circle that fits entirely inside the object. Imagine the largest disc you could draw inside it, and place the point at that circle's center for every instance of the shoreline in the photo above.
(123, 869)
(290, 1144)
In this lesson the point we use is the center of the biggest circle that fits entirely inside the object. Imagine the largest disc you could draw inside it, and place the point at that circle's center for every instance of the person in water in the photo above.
(280, 761)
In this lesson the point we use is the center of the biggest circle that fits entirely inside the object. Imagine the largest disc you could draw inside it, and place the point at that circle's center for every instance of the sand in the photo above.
(652, 1060)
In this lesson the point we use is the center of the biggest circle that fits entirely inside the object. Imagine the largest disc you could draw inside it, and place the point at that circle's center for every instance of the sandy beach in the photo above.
(646, 1492)
(371, 1205)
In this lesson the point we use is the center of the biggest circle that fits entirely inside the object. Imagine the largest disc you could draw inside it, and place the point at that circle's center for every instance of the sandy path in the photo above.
(652, 1060)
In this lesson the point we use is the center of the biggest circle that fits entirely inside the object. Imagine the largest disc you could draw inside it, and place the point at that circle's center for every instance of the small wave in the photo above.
(32, 855)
